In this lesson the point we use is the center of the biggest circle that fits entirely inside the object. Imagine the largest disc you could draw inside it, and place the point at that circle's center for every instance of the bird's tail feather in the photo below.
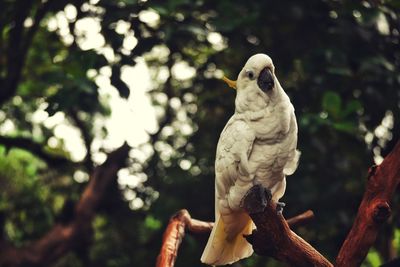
(220, 251)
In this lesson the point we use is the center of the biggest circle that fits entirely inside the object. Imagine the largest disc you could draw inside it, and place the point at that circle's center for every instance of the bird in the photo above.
(257, 147)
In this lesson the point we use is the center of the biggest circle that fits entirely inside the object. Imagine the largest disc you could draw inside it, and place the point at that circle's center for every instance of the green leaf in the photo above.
(373, 258)
(152, 223)
(130, 2)
(161, 10)
(331, 103)
(340, 71)
(351, 107)
(346, 126)
(396, 239)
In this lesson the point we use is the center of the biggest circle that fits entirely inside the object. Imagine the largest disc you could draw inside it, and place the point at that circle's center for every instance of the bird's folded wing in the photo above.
(233, 151)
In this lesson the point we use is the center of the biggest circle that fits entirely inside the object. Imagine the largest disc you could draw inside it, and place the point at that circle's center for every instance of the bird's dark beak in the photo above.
(265, 80)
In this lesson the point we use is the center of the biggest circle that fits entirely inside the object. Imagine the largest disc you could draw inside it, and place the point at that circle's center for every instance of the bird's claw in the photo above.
(256, 199)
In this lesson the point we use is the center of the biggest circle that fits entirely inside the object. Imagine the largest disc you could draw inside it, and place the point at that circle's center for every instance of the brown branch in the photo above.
(169, 112)
(19, 43)
(37, 19)
(15, 59)
(86, 137)
(182, 220)
(274, 238)
(373, 211)
(20, 40)
(174, 234)
(64, 237)
(36, 149)
(300, 219)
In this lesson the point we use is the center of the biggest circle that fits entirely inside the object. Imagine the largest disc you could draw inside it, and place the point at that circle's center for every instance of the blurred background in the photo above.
(79, 78)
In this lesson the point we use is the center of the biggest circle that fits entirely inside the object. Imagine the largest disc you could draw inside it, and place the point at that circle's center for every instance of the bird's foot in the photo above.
(279, 207)
(256, 199)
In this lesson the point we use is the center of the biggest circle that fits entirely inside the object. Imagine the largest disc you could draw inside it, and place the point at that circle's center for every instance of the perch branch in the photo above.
(274, 238)
(374, 210)
(182, 220)
(64, 237)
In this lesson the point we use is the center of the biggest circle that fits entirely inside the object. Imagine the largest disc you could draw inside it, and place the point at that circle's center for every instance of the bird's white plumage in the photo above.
(257, 146)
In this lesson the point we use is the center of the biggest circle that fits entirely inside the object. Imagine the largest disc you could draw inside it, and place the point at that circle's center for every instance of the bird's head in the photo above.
(256, 82)
(258, 71)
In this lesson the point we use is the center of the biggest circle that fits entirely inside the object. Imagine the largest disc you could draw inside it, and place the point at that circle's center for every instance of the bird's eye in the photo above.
(250, 74)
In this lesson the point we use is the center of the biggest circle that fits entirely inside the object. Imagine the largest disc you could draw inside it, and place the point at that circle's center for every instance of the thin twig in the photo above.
(300, 219)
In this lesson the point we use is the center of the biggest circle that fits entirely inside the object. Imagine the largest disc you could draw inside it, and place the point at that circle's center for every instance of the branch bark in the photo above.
(64, 237)
(182, 220)
(274, 238)
(19, 43)
(86, 137)
(35, 148)
(21, 38)
(174, 234)
(374, 210)
(300, 219)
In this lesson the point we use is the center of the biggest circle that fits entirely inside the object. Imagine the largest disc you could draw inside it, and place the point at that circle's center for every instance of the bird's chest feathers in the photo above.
(270, 120)
(272, 123)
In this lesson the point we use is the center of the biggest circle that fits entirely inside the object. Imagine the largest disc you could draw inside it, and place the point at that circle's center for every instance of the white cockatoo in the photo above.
(256, 147)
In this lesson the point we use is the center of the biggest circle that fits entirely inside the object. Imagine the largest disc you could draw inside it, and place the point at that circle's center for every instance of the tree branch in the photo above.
(87, 138)
(35, 148)
(19, 43)
(300, 219)
(174, 234)
(182, 220)
(374, 210)
(169, 112)
(64, 237)
(14, 58)
(40, 13)
(274, 238)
